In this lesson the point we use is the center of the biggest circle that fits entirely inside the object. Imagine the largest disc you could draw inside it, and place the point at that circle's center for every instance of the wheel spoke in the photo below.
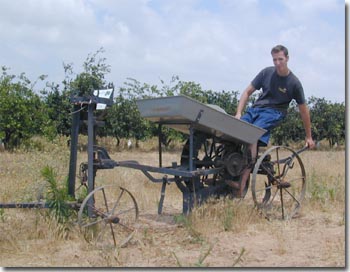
(126, 227)
(118, 199)
(125, 211)
(278, 165)
(105, 199)
(273, 198)
(113, 235)
(281, 196)
(292, 196)
(92, 223)
(97, 211)
(297, 178)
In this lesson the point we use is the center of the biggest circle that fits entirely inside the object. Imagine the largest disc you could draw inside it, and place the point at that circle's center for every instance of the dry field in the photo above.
(221, 233)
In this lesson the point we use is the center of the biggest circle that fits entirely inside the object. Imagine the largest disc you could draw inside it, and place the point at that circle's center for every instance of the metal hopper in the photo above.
(181, 112)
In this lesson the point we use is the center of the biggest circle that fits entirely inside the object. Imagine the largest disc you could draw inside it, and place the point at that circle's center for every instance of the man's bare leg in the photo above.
(246, 172)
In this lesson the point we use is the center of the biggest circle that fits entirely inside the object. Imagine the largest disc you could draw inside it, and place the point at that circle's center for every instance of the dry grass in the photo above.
(219, 233)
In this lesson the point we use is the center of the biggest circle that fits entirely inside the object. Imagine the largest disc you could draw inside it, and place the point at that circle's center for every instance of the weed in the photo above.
(239, 258)
(326, 190)
(57, 197)
(186, 221)
(178, 263)
(2, 215)
(228, 217)
(201, 259)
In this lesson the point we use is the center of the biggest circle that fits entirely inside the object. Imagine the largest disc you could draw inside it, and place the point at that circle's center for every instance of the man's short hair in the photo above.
(279, 48)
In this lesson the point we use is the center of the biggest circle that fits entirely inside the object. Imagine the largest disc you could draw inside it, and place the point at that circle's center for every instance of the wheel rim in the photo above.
(113, 212)
(279, 183)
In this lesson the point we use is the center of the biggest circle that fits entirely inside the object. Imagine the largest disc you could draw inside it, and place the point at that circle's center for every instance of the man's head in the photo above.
(279, 48)
(280, 59)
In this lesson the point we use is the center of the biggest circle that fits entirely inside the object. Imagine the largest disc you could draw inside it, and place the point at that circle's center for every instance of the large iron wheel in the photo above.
(279, 183)
(206, 152)
(107, 216)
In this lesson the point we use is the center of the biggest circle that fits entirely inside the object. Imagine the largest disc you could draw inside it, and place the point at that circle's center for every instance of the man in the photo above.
(279, 87)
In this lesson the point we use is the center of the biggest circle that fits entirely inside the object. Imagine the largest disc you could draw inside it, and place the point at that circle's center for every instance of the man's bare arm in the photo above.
(305, 116)
(244, 99)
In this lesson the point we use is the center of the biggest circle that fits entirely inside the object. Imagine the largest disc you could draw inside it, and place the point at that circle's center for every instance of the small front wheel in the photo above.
(107, 216)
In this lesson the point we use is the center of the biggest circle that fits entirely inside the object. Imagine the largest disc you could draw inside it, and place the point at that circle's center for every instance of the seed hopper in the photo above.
(215, 153)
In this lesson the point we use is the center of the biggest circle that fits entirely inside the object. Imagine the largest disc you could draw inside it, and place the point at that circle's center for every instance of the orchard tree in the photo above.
(22, 113)
(123, 120)
(58, 110)
(328, 120)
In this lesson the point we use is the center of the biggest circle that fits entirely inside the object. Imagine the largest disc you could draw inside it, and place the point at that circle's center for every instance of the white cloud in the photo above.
(221, 45)
(313, 6)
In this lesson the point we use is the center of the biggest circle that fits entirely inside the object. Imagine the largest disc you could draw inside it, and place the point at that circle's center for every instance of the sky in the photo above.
(220, 44)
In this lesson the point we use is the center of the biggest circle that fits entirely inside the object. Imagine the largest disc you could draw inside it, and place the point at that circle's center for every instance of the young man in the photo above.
(279, 87)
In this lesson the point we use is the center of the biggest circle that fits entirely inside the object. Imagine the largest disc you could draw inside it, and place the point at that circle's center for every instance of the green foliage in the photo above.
(2, 215)
(324, 190)
(92, 77)
(22, 113)
(328, 120)
(57, 196)
(123, 120)
(58, 109)
(227, 220)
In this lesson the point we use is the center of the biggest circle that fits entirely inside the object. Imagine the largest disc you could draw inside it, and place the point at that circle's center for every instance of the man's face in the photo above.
(280, 61)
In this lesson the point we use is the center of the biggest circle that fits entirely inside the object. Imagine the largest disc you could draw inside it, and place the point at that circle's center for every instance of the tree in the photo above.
(83, 84)
(58, 110)
(123, 120)
(328, 120)
(92, 78)
(22, 113)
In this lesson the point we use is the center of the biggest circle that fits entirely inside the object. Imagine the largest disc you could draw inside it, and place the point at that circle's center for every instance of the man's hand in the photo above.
(243, 100)
(310, 143)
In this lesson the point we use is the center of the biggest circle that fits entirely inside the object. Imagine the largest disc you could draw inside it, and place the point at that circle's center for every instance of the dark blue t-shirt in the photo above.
(277, 91)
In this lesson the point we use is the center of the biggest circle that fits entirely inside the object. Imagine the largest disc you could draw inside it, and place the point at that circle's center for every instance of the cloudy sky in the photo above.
(220, 44)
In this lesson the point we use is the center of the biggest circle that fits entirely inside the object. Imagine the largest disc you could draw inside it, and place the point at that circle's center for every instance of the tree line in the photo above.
(25, 112)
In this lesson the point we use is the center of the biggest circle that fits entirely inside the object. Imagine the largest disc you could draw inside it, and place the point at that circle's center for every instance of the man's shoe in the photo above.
(284, 184)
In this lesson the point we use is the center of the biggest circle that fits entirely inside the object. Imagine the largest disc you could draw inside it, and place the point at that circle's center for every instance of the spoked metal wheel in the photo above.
(107, 216)
(205, 154)
(279, 183)
(209, 153)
